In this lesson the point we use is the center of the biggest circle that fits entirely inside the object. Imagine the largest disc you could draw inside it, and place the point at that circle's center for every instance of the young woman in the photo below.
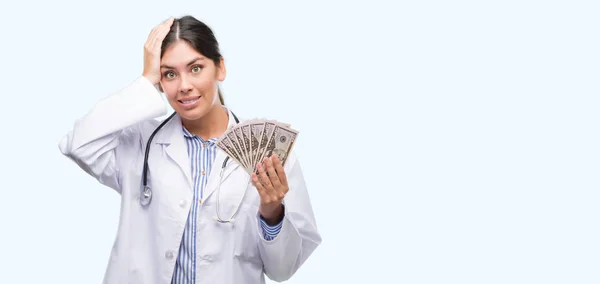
(180, 228)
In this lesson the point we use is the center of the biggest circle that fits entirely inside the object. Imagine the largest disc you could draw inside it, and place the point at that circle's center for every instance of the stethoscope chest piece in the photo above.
(146, 196)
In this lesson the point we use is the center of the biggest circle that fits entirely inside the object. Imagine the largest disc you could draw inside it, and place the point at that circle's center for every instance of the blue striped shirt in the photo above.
(202, 154)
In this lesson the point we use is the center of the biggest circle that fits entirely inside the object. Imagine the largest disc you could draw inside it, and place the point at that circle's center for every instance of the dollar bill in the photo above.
(249, 142)
(226, 145)
(233, 139)
(245, 129)
(256, 129)
(281, 143)
(240, 138)
(264, 139)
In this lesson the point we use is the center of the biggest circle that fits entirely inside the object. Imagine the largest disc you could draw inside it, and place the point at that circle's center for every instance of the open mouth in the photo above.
(189, 101)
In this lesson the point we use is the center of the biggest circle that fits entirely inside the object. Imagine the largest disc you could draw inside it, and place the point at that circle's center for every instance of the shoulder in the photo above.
(146, 127)
(138, 134)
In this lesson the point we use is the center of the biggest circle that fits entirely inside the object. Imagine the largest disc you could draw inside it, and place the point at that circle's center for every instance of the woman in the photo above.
(175, 238)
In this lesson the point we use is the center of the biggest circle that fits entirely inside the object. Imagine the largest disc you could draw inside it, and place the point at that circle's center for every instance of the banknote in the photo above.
(238, 150)
(246, 140)
(264, 139)
(227, 146)
(240, 139)
(256, 129)
(280, 143)
(249, 142)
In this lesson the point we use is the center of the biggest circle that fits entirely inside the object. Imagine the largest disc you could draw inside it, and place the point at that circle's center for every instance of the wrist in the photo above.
(152, 79)
(273, 216)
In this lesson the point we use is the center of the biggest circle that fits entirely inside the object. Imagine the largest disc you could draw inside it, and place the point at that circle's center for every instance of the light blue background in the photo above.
(442, 141)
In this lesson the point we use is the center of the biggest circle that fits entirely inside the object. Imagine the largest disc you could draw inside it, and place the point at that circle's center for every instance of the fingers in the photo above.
(168, 21)
(263, 178)
(152, 35)
(279, 169)
(261, 189)
(271, 191)
(270, 180)
(273, 178)
(155, 29)
(162, 32)
(152, 50)
(159, 32)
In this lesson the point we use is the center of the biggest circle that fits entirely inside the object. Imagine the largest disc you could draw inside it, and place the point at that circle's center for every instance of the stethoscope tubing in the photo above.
(146, 197)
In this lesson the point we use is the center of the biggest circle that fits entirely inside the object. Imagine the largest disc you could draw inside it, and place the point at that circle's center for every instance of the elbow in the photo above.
(286, 267)
(76, 154)
(281, 274)
(92, 162)
(64, 145)
(281, 267)
(286, 254)
(98, 164)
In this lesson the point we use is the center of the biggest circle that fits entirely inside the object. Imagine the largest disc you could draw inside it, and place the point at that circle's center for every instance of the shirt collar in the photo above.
(230, 122)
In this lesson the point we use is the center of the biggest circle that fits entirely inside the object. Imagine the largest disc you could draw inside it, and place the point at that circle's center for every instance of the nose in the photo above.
(184, 85)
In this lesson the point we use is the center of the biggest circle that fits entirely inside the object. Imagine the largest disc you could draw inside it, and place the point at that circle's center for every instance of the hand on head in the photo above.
(152, 50)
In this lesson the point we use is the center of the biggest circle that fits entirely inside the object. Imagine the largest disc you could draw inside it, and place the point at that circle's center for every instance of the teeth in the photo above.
(189, 101)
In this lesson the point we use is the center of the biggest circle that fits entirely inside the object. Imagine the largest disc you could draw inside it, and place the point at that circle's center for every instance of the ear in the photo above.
(160, 88)
(221, 70)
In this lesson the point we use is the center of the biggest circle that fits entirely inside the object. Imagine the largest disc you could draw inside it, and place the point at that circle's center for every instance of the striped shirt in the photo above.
(202, 154)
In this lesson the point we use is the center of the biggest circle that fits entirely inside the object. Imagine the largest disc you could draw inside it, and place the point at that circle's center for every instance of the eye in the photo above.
(169, 75)
(196, 69)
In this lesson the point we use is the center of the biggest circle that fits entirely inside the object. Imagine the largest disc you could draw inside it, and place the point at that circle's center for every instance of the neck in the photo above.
(211, 125)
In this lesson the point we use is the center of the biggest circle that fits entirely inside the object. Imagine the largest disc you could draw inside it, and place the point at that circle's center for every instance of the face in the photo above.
(189, 80)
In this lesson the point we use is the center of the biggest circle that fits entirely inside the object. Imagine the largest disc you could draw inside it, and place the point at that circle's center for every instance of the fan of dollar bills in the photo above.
(249, 142)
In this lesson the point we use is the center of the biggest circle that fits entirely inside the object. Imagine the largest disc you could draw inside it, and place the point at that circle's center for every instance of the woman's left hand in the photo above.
(272, 187)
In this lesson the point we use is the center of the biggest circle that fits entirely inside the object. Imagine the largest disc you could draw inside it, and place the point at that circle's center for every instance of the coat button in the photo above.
(182, 203)
(169, 254)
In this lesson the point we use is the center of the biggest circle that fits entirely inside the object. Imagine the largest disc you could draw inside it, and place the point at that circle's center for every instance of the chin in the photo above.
(194, 110)
(192, 114)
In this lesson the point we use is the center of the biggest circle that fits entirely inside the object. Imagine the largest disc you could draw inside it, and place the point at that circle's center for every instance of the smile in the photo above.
(189, 101)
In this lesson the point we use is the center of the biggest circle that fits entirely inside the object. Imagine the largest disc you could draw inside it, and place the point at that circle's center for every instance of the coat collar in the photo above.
(172, 137)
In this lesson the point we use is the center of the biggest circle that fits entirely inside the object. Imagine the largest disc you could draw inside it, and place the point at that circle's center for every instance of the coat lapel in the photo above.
(173, 139)
(175, 146)
(215, 173)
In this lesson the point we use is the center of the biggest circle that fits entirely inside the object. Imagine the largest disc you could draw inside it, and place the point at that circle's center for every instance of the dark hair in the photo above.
(198, 35)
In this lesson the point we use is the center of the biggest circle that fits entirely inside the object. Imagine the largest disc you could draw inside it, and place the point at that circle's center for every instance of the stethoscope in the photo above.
(146, 197)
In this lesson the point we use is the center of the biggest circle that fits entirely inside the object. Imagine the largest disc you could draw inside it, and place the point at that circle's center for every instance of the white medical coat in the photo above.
(109, 144)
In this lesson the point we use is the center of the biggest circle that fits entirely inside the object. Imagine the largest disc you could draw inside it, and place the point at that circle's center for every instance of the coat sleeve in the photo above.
(298, 237)
(100, 141)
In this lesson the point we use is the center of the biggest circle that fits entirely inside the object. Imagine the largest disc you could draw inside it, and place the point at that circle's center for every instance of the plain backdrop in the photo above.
(442, 141)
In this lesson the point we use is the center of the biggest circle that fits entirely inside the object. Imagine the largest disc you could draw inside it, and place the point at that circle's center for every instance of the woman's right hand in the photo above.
(152, 51)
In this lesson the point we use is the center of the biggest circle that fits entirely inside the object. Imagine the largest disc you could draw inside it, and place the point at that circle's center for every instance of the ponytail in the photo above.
(220, 96)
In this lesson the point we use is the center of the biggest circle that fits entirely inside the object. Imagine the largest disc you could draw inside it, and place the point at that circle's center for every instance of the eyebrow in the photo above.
(190, 63)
